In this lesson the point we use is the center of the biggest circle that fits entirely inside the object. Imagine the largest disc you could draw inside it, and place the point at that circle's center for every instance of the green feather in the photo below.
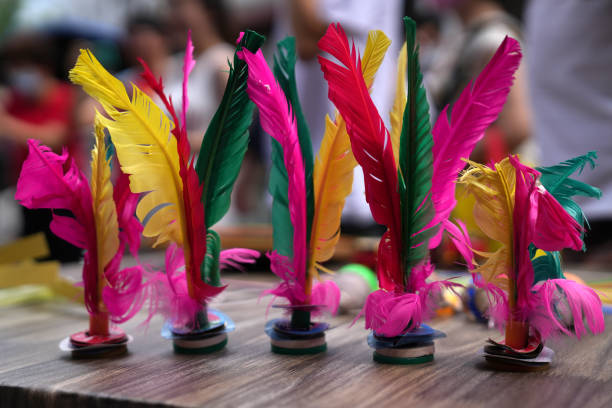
(415, 162)
(227, 138)
(547, 266)
(284, 72)
(556, 179)
(209, 269)
(279, 186)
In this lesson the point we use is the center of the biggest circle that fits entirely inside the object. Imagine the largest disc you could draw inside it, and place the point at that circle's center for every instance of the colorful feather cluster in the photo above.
(308, 194)
(102, 223)
(182, 201)
(410, 173)
(523, 277)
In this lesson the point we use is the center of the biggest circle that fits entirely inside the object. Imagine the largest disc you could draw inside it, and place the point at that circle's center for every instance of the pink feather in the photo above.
(188, 64)
(370, 144)
(563, 306)
(43, 183)
(130, 229)
(539, 219)
(235, 257)
(174, 300)
(477, 107)
(277, 120)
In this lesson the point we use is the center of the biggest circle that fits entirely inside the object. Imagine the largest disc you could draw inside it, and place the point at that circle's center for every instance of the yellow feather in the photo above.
(104, 210)
(333, 169)
(493, 210)
(396, 115)
(373, 55)
(145, 147)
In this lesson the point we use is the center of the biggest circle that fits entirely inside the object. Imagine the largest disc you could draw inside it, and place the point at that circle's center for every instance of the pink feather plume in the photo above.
(277, 120)
(477, 107)
(43, 183)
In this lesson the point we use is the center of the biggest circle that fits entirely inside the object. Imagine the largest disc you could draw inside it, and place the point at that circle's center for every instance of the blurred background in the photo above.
(559, 107)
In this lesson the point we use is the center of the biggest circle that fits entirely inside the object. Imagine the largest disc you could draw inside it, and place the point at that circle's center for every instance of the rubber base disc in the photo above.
(379, 358)
(99, 352)
(200, 346)
(298, 346)
(514, 365)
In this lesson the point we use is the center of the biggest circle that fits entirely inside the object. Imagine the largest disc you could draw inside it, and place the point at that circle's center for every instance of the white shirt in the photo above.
(570, 79)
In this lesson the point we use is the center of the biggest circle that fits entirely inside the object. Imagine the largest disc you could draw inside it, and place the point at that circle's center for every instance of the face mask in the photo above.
(25, 81)
(440, 4)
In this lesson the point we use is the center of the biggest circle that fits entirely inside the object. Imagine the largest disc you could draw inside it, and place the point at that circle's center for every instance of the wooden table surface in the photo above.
(33, 371)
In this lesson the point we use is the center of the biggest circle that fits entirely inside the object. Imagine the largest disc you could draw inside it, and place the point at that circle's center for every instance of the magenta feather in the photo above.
(43, 183)
(477, 107)
(236, 257)
(538, 218)
(130, 229)
(188, 64)
(277, 120)
(562, 308)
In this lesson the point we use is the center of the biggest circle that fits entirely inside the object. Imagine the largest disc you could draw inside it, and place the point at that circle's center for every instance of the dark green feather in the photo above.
(209, 269)
(227, 137)
(415, 162)
(284, 72)
(556, 179)
(279, 186)
(547, 266)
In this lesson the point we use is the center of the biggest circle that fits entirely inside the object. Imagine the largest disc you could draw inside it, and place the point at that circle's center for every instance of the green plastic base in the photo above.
(298, 351)
(203, 350)
(401, 360)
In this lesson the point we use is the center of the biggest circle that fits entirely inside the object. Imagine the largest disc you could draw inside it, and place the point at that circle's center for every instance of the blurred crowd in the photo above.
(560, 105)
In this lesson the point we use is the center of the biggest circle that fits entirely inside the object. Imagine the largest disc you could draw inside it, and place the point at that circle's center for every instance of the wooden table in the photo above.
(34, 373)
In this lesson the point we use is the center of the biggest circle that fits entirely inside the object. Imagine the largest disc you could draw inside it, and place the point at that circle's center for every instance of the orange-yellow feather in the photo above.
(145, 147)
(396, 115)
(494, 193)
(104, 210)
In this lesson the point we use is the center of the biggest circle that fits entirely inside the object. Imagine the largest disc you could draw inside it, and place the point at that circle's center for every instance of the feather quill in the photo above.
(334, 164)
(370, 144)
(284, 71)
(157, 163)
(226, 139)
(454, 138)
(415, 164)
(399, 102)
(277, 120)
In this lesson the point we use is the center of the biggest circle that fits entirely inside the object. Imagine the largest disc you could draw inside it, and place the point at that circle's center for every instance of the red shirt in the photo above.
(57, 106)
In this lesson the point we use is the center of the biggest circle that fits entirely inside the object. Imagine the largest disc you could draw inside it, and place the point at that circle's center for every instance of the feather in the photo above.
(477, 107)
(333, 171)
(415, 164)
(43, 183)
(370, 144)
(564, 306)
(556, 179)
(278, 121)
(399, 102)
(104, 209)
(226, 139)
(284, 72)
(157, 163)
(126, 202)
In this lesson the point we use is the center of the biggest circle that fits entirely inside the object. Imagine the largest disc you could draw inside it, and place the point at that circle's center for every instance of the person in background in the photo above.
(36, 106)
(307, 20)
(570, 78)
(205, 19)
(485, 24)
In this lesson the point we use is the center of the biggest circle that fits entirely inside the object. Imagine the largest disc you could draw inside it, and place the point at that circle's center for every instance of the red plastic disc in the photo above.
(83, 339)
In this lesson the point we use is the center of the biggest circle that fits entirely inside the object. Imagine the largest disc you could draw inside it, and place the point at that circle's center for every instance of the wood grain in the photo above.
(34, 373)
